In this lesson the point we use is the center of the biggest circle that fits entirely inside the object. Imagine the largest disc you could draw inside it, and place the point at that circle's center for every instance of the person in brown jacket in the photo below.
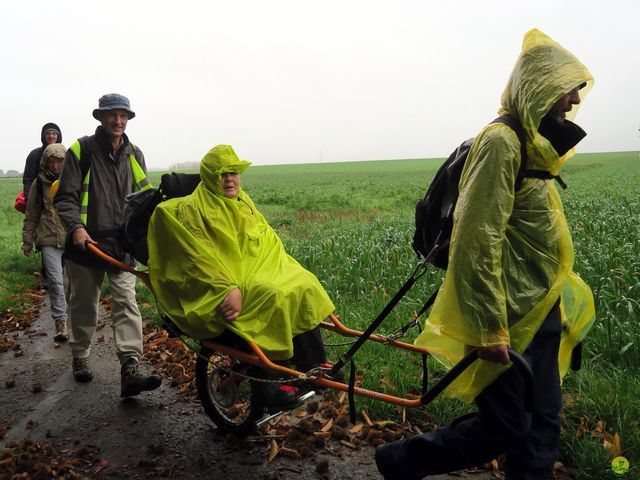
(42, 228)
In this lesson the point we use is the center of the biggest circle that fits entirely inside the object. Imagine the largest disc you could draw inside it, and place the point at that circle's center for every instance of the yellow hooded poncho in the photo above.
(204, 245)
(511, 254)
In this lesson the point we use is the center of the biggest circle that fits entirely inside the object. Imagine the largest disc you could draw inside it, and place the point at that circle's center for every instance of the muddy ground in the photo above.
(54, 426)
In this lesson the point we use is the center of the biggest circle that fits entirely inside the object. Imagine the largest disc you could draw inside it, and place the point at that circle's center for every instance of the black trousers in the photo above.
(500, 426)
(308, 350)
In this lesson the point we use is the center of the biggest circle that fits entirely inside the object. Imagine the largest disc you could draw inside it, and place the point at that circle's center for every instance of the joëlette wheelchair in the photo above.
(224, 364)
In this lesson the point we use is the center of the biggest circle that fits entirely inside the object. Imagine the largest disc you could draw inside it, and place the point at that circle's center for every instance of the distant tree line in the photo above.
(184, 166)
(172, 167)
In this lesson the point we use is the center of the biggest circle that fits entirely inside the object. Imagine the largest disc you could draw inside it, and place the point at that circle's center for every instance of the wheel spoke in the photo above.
(226, 393)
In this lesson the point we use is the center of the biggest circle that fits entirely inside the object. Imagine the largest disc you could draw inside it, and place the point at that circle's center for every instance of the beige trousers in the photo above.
(126, 321)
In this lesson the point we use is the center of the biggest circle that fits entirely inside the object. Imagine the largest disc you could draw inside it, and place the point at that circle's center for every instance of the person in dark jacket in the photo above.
(99, 172)
(51, 133)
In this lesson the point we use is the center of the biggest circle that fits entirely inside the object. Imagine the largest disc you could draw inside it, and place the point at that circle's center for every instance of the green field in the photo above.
(351, 224)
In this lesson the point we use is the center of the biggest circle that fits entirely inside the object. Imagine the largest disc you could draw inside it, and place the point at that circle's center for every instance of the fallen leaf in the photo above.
(384, 423)
(348, 444)
(366, 418)
(158, 341)
(327, 426)
(599, 428)
(611, 444)
(273, 450)
(290, 452)
(356, 428)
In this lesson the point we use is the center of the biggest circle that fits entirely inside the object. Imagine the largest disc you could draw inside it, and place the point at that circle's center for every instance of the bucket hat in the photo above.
(113, 101)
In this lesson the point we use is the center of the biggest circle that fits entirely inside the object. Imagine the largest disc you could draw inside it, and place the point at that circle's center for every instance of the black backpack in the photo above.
(434, 212)
(140, 206)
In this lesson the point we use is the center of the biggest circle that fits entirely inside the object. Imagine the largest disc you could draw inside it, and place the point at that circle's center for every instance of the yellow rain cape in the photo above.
(204, 245)
(511, 254)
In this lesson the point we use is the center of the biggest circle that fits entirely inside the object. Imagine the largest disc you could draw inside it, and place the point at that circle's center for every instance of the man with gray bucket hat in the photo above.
(99, 172)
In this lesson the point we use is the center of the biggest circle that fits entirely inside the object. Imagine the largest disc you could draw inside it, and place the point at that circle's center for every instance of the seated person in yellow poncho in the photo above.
(216, 264)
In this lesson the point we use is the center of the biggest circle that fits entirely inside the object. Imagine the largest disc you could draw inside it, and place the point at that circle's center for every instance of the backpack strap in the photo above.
(523, 172)
(514, 124)
(544, 175)
(39, 188)
(85, 155)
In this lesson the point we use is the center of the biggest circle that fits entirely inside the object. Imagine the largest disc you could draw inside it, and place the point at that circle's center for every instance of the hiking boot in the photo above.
(384, 461)
(81, 371)
(135, 378)
(61, 331)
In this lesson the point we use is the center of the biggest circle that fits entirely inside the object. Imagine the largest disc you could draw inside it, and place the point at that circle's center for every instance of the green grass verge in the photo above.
(351, 224)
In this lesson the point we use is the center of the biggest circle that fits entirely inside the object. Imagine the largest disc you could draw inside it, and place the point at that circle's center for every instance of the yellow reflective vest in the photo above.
(140, 180)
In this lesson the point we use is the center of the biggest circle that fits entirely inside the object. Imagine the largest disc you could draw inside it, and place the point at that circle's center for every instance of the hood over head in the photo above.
(50, 126)
(544, 72)
(55, 150)
(220, 159)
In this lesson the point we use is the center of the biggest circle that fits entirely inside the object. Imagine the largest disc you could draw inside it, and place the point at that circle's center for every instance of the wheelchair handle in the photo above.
(518, 362)
(93, 248)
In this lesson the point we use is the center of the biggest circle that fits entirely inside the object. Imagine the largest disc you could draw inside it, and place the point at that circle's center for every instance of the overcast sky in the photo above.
(299, 81)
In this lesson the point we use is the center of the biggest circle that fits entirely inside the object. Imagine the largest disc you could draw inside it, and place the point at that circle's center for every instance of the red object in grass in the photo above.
(20, 203)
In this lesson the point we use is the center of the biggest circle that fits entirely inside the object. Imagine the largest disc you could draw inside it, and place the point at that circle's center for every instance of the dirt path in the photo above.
(156, 435)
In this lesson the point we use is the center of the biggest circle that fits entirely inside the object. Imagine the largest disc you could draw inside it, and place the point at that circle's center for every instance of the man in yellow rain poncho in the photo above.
(509, 282)
(216, 264)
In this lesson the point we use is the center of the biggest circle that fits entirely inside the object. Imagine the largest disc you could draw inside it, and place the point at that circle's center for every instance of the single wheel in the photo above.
(225, 393)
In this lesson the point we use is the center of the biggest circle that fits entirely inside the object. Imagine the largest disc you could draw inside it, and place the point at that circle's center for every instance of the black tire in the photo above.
(235, 410)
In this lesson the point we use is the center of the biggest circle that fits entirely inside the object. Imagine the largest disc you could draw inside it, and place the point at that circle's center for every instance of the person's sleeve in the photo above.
(31, 167)
(187, 275)
(31, 217)
(485, 204)
(67, 199)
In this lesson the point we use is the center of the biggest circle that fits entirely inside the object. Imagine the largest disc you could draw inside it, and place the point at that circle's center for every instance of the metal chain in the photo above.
(303, 377)
(401, 332)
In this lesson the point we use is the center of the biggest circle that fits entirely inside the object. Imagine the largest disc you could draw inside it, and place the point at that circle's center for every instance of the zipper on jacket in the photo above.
(243, 201)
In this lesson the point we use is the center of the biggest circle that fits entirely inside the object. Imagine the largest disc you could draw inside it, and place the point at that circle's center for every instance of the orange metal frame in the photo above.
(259, 358)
